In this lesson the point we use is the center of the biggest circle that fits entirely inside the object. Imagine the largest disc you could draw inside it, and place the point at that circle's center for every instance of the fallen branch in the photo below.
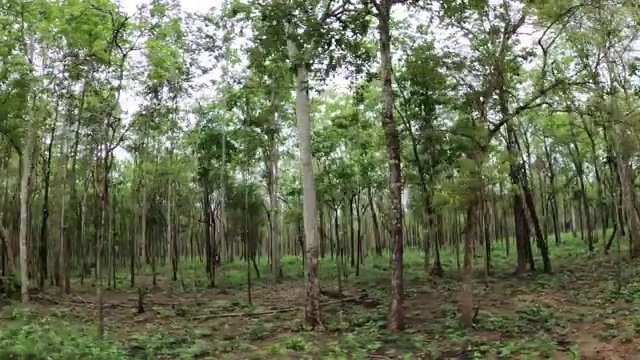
(271, 312)
(130, 302)
(227, 315)
(79, 301)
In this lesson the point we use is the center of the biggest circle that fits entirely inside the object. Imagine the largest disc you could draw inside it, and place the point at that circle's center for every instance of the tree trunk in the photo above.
(169, 236)
(466, 313)
(208, 243)
(629, 207)
(374, 222)
(352, 234)
(396, 313)
(143, 228)
(274, 218)
(24, 197)
(64, 250)
(622, 156)
(43, 251)
(519, 212)
(101, 235)
(303, 115)
(220, 252)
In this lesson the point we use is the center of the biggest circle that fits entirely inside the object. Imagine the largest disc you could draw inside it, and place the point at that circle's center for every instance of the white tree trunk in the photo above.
(303, 115)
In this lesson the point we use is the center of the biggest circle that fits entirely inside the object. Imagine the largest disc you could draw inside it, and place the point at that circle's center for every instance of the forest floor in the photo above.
(578, 312)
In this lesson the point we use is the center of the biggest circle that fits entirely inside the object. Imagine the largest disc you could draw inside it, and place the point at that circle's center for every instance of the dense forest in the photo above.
(359, 179)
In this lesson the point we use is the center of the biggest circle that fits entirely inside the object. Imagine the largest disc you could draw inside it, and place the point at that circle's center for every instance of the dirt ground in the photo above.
(577, 312)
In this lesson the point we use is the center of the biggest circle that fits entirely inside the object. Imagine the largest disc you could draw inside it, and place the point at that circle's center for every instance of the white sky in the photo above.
(129, 100)
(187, 5)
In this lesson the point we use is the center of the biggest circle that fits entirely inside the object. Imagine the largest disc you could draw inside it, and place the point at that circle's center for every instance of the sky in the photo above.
(187, 5)
(130, 101)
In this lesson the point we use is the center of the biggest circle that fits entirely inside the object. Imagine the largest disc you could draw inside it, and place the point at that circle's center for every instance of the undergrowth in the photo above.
(585, 305)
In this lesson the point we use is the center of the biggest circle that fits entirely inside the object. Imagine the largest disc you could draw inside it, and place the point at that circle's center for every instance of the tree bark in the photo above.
(24, 197)
(43, 251)
(396, 313)
(64, 249)
(303, 115)
(374, 223)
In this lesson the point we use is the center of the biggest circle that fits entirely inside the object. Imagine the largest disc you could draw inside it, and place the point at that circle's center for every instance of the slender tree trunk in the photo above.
(396, 313)
(64, 250)
(486, 235)
(43, 251)
(323, 235)
(102, 231)
(374, 222)
(276, 254)
(169, 236)
(519, 212)
(553, 197)
(143, 228)
(221, 251)
(360, 256)
(6, 246)
(208, 243)
(274, 219)
(303, 115)
(340, 246)
(466, 313)
(27, 152)
(78, 230)
(352, 234)
(629, 207)
(83, 229)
